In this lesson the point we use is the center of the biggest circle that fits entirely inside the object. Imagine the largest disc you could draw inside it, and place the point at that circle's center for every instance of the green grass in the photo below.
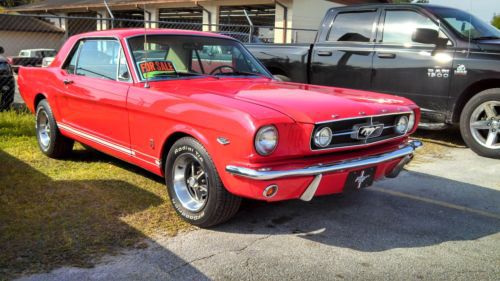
(71, 212)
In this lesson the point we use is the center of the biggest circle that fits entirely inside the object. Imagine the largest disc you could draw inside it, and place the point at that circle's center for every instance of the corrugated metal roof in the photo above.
(27, 24)
(46, 5)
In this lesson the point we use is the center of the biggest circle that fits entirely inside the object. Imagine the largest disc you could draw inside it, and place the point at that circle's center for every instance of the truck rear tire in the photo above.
(480, 123)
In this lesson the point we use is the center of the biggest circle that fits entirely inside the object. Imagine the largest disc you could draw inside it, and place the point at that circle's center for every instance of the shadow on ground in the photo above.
(450, 136)
(45, 224)
(415, 210)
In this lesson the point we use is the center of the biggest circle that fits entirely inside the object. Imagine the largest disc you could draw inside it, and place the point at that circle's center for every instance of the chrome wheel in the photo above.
(43, 128)
(190, 182)
(485, 124)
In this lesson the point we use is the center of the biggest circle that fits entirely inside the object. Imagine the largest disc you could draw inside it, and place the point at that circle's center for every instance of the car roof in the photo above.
(131, 32)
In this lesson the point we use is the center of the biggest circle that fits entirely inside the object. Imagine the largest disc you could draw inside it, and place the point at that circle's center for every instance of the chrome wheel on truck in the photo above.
(480, 123)
(485, 124)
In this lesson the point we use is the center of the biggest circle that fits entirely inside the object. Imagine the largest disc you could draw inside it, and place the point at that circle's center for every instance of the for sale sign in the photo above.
(156, 68)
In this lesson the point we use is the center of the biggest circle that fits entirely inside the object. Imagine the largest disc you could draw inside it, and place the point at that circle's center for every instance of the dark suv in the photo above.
(444, 59)
(7, 83)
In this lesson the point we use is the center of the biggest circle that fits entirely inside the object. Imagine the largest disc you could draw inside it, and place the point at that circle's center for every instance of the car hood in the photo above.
(303, 103)
(489, 45)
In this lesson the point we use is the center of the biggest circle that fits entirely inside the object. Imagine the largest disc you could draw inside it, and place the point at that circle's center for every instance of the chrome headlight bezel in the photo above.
(411, 121)
(318, 135)
(401, 126)
(266, 140)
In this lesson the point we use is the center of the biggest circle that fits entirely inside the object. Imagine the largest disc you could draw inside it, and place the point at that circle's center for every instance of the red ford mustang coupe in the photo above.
(200, 110)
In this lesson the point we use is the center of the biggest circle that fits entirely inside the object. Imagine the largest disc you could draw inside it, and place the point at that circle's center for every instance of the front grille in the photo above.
(345, 131)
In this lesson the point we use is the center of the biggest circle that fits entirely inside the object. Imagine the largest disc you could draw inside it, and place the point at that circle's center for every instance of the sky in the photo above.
(484, 9)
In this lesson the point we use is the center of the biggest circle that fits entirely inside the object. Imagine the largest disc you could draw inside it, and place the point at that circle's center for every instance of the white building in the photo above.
(282, 17)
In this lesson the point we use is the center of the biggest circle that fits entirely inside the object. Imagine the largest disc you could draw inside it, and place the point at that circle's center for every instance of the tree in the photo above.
(496, 21)
(13, 3)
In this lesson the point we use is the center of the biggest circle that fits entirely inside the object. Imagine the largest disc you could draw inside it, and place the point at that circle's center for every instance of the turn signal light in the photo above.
(270, 191)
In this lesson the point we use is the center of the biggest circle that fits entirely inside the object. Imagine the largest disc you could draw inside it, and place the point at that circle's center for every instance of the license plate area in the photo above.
(359, 179)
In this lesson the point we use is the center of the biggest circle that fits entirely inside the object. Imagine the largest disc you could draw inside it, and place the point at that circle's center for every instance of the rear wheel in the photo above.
(480, 123)
(51, 142)
(194, 186)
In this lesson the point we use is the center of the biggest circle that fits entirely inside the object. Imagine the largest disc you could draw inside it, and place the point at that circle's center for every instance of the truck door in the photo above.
(343, 54)
(417, 71)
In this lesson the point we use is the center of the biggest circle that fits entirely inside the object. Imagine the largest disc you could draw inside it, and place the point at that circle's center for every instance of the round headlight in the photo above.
(323, 137)
(401, 125)
(266, 140)
(411, 121)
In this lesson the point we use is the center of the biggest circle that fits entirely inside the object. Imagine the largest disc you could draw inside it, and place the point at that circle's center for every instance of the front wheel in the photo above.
(480, 123)
(194, 186)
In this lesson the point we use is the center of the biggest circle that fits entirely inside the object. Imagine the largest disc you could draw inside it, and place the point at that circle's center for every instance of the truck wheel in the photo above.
(194, 186)
(480, 123)
(6, 100)
(51, 142)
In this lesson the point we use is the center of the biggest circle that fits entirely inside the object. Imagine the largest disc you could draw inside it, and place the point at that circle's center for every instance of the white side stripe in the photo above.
(108, 144)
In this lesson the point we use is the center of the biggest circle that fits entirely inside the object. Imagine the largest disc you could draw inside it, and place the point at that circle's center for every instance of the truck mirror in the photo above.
(425, 36)
(1, 50)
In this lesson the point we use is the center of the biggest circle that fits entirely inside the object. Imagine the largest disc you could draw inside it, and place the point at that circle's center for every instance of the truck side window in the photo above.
(399, 26)
(353, 26)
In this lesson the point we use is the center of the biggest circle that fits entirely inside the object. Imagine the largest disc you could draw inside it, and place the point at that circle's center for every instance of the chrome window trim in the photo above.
(94, 37)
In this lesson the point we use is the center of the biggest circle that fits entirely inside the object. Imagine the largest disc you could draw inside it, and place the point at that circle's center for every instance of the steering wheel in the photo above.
(220, 67)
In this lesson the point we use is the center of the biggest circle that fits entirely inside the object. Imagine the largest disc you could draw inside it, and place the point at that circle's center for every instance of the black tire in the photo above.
(486, 96)
(7, 97)
(219, 206)
(58, 146)
(282, 78)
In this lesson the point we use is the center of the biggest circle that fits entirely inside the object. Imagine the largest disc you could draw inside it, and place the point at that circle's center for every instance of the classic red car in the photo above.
(200, 110)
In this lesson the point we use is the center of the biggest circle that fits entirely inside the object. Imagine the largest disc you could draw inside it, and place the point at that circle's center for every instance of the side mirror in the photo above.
(425, 36)
(1, 50)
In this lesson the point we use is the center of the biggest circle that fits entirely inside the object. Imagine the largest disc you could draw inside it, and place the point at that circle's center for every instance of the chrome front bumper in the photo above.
(404, 151)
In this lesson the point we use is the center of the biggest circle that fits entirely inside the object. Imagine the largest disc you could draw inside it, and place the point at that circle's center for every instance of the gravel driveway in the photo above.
(439, 220)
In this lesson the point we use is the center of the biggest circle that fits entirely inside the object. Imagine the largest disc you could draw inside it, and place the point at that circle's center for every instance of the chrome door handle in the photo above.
(324, 53)
(67, 81)
(386, 55)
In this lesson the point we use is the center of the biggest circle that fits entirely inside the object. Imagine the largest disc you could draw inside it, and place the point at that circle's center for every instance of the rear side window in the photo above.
(353, 26)
(99, 59)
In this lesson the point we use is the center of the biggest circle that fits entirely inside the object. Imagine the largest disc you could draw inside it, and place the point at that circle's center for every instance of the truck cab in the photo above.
(441, 58)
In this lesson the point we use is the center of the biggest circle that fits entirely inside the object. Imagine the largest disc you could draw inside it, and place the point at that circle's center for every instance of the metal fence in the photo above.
(42, 33)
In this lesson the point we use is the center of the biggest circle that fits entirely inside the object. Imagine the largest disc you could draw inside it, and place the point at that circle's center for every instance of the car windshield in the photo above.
(175, 56)
(466, 24)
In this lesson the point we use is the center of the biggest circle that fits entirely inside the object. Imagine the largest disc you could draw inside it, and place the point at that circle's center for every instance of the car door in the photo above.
(417, 71)
(93, 102)
(343, 55)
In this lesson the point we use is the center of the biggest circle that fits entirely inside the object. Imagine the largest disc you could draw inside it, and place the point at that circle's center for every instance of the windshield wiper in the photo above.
(182, 74)
(485, 37)
(242, 73)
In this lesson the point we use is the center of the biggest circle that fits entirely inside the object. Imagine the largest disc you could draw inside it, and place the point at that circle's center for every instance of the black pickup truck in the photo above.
(444, 59)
